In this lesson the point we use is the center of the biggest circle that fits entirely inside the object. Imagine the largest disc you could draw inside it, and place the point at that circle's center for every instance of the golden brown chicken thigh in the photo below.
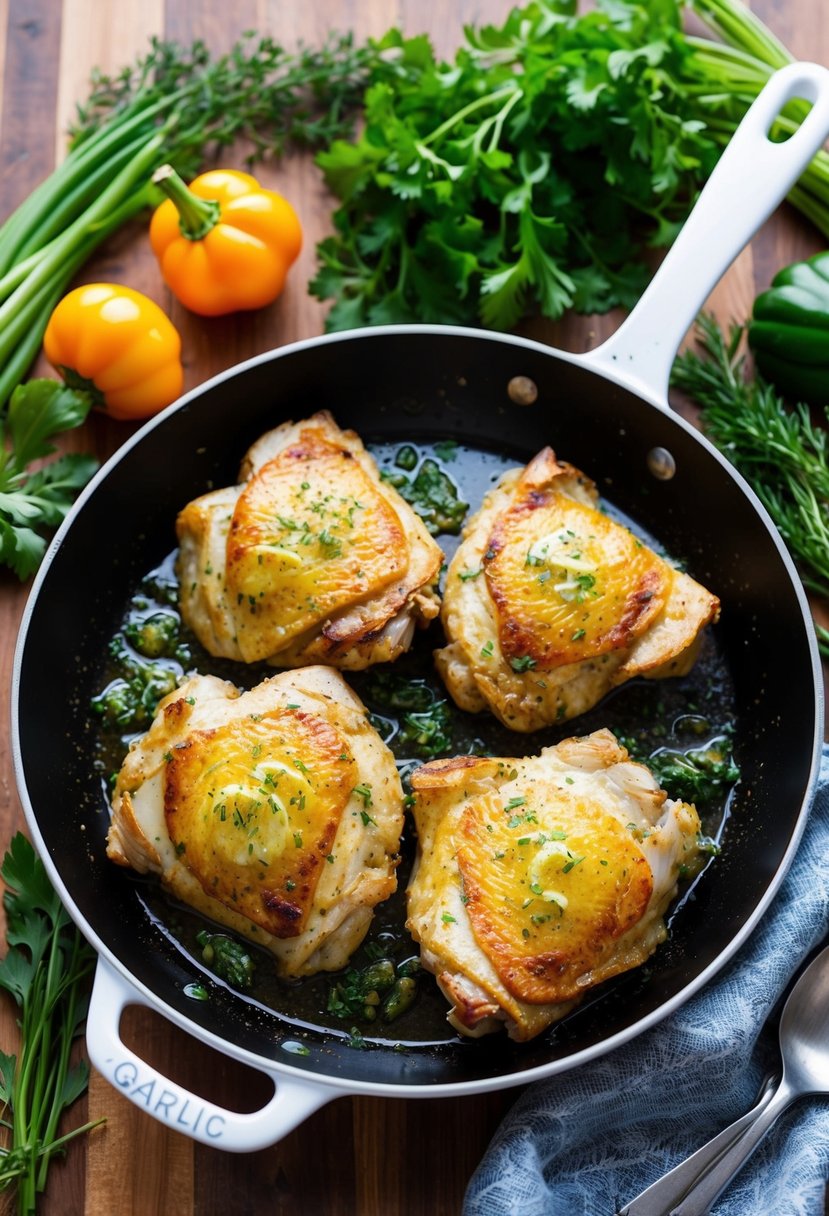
(549, 603)
(312, 558)
(276, 812)
(538, 878)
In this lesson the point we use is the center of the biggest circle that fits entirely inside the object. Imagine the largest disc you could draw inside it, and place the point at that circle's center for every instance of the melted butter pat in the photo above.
(547, 865)
(253, 807)
(551, 881)
(254, 819)
(570, 584)
(563, 550)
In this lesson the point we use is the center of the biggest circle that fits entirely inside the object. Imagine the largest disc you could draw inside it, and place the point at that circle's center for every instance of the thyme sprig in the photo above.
(258, 91)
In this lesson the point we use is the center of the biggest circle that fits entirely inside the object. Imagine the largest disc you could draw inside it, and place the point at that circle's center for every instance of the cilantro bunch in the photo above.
(533, 173)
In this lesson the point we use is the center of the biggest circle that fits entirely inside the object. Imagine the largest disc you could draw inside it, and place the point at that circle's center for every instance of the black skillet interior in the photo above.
(415, 386)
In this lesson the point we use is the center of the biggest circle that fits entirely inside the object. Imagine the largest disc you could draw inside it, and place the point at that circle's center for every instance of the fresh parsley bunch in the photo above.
(34, 500)
(532, 173)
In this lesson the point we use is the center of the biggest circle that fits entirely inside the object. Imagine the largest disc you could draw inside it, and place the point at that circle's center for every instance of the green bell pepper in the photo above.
(789, 331)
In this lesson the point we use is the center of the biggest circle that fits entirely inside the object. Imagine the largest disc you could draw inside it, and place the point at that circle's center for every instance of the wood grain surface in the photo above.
(355, 1157)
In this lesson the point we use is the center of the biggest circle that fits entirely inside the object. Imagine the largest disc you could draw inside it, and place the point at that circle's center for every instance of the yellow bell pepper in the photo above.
(119, 346)
(225, 244)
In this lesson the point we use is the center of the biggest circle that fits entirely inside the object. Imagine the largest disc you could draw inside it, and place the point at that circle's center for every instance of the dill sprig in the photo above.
(779, 449)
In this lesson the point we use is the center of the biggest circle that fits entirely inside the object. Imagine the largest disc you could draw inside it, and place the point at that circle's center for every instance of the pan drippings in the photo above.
(681, 727)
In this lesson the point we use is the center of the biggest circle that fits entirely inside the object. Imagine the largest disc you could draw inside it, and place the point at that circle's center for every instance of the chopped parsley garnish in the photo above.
(383, 988)
(446, 449)
(406, 458)
(428, 731)
(429, 490)
(227, 958)
(695, 775)
(331, 544)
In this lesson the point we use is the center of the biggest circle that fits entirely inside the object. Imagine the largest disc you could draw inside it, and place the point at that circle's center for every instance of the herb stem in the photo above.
(465, 111)
(496, 123)
(45, 970)
(736, 24)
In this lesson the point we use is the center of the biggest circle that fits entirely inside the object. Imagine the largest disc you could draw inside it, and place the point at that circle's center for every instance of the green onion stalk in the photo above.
(31, 288)
(728, 76)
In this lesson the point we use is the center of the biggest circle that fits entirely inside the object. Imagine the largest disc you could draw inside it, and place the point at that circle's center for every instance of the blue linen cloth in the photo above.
(584, 1143)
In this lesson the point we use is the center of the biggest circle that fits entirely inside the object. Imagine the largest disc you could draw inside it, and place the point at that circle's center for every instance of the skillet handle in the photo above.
(293, 1101)
(751, 178)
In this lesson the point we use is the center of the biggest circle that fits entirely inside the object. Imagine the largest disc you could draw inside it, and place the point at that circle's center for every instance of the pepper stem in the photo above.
(197, 216)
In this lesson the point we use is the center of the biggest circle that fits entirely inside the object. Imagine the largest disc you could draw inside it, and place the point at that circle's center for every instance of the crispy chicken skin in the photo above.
(253, 809)
(549, 603)
(538, 878)
(312, 558)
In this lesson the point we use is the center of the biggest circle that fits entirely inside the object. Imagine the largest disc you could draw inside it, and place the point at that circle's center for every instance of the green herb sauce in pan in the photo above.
(681, 727)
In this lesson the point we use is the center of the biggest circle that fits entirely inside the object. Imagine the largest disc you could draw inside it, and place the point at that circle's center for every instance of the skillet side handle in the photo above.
(182, 1111)
(751, 178)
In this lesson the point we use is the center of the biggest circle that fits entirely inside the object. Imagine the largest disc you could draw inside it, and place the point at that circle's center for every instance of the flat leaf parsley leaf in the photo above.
(34, 500)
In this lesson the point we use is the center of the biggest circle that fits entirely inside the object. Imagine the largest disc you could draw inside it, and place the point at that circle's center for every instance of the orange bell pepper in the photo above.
(117, 345)
(225, 244)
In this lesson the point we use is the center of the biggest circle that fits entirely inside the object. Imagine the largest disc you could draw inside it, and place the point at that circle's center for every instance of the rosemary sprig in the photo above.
(780, 451)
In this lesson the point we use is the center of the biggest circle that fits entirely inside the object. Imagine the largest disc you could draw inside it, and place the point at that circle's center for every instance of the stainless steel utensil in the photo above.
(691, 1188)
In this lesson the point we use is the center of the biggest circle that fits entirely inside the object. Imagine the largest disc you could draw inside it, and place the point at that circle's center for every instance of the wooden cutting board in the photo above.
(355, 1157)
